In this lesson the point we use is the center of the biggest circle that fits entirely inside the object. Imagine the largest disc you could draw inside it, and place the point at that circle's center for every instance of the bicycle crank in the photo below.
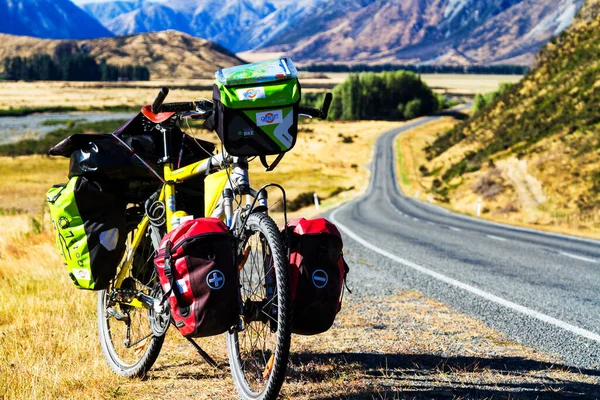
(159, 316)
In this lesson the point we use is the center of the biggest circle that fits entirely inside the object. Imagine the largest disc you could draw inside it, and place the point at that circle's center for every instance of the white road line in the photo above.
(471, 289)
(497, 238)
(575, 256)
(431, 223)
(452, 228)
(416, 219)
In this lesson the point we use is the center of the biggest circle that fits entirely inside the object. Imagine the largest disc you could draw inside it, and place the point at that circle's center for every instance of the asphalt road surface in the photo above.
(541, 289)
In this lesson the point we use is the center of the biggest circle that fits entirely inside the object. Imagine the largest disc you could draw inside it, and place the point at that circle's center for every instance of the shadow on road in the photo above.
(458, 115)
(392, 376)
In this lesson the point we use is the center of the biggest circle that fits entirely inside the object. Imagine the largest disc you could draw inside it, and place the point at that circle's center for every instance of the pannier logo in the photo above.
(246, 132)
(83, 274)
(268, 118)
(215, 279)
(251, 93)
(320, 278)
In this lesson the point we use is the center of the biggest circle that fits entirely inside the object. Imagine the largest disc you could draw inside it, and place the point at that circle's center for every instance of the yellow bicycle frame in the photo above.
(213, 188)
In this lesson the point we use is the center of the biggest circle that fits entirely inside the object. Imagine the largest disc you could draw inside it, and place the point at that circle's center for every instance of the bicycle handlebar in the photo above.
(178, 107)
(160, 97)
(318, 113)
(207, 106)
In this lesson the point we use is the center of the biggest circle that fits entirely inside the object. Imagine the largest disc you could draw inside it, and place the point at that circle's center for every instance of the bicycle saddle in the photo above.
(158, 118)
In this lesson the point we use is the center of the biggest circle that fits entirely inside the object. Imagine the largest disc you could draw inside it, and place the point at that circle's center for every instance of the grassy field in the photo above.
(328, 157)
(527, 192)
(384, 348)
(99, 95)
(464, 84)
(398, 346)
(85, 96)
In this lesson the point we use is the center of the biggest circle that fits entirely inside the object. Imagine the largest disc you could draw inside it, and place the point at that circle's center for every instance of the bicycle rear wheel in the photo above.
(259, 349)
(127, 339)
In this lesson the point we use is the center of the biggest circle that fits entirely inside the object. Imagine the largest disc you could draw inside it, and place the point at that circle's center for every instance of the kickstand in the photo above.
(204, 355)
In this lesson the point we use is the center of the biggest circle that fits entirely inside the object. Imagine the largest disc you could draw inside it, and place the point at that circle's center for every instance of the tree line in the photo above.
(70, 63)
(398, 95)
(421, 69)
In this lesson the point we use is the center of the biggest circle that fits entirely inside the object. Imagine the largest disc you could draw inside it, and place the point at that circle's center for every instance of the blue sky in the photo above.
(79, 2)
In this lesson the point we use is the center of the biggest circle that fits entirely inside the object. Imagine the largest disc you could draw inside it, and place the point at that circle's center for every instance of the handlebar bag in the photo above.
(317, 274)
(88, 218)
(196, 269)
(256, 107)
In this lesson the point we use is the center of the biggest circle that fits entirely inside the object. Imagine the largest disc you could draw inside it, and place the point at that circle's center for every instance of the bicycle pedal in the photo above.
(118, 316)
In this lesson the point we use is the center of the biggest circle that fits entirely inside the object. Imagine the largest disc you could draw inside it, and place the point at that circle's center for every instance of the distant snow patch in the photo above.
(557, 21)
(453, 8)
(567, 14)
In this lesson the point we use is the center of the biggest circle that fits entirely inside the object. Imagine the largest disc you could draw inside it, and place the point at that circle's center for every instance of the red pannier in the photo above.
(196, 267)
(317, 272)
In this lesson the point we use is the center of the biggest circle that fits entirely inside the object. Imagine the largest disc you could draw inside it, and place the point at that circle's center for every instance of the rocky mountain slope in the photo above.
(352, 31)
(370, 31)
(167, 54)
(546, 130)
(151, 18)
(106, 11)
(426, 31)
(48, 19)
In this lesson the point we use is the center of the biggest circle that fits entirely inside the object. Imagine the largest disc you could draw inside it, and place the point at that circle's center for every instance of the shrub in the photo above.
(413, 109)
(304, 199)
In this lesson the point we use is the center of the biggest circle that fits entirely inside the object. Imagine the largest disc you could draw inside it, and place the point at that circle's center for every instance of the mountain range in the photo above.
(55, 19)
(369, 31)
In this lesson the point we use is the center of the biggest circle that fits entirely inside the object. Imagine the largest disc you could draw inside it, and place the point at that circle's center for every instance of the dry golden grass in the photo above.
(85, 95)
(451, 83)
(467, 84)
(397, 346)
(380, 347)
(25, 180)
(321, 162)
(533, 192)
(409, 149)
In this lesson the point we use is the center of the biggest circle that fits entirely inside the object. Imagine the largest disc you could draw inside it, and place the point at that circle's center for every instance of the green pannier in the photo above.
(89, 225)
(257, 107)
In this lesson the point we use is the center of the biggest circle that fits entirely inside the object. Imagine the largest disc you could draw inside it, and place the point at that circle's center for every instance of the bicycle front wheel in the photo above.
(259, 348)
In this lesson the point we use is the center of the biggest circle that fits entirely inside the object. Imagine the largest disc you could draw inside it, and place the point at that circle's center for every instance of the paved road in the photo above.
(541, 289)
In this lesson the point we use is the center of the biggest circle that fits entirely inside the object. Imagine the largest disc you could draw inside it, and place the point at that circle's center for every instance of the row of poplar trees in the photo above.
(387, 95)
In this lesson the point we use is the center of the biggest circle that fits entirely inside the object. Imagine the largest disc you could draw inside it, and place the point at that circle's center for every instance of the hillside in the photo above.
(534, 151)
(152, 18)
(370, 31)
(430, 31)
(167, 54)
(48, 19)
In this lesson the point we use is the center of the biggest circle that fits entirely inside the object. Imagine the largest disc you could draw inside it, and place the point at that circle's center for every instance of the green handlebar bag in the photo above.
(88, 218)
(257, 107)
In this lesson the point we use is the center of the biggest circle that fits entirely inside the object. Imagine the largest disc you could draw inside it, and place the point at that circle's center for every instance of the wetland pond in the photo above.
(36, 126)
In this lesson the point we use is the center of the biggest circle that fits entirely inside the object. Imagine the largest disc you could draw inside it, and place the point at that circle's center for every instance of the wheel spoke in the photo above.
(262, 346)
